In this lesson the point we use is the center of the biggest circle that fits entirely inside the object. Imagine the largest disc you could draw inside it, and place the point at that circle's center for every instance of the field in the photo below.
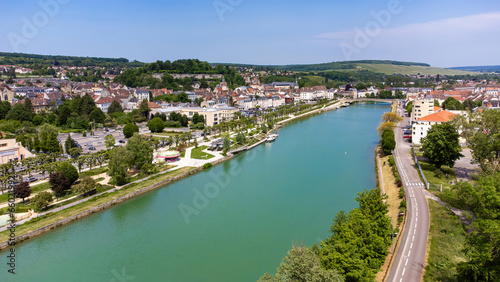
(412, 70)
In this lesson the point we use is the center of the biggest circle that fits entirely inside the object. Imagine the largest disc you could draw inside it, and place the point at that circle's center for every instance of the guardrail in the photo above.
(419, 168)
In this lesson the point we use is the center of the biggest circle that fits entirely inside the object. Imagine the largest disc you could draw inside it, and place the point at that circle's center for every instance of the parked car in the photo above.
(92, 148)
(31, 179)
(407, 134)
(122, 141)
(95, 136)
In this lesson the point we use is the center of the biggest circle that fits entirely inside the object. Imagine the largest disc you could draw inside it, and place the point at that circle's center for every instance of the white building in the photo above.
(422, 125)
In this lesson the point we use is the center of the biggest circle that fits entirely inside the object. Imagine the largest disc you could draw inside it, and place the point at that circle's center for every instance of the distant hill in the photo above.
(378, 66)
(23, 59)
(479, 68)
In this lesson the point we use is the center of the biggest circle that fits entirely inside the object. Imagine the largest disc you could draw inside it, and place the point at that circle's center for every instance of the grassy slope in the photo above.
(414, 70)
(446, 240)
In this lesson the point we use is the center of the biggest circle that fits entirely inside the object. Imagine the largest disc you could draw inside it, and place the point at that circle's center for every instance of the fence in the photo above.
(419, 168)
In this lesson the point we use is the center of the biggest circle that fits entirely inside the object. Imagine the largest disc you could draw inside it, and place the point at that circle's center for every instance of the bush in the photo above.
(401, 192)
(439, 174)
(156, 125)
(403, 204)
(171, 124)
(84, 134)
(130, 129)
(207, 165)
(391, 161)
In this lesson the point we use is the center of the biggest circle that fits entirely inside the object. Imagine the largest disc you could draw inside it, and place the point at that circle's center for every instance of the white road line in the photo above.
(403, 273)
(406, 262)
(416, 225)
(411, 246)
(409, 253)
(413, 238)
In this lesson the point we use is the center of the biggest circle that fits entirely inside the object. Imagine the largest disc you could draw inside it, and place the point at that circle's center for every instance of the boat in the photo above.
(271, 137)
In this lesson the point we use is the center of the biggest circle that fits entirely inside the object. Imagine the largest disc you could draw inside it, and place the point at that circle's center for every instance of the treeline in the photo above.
(356, 249)
(30, 60)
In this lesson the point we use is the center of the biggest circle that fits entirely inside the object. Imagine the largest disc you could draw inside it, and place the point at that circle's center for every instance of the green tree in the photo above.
(75, 152)
(69, 143)
(59, 183)
(144, 108)
(119, 160)
(69, 171)
(388, 141)
(140, 150)
(4, 109)
(156, 125)
(409, 107)
(115, 107)
(302, 264)
(130, 129)
(109, 141)
(482, 133)
(263, 128)
(41, 200)
(240, 138)
(452, 104)
(441, 146)
(30, 111)
(226, 143)
(87, 184)
(22, 190)
(97, 115)
(384, 126)
(47, 135)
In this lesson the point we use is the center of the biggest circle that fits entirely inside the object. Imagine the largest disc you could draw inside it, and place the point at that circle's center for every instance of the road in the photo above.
(409, 261)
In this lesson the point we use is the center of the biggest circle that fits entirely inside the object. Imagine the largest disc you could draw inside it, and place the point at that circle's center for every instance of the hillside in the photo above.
(386, 67)
(479, 68)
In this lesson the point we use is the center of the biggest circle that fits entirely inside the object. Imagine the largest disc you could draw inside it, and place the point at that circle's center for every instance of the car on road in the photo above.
(95, 136)
(407, 134)
(92, 148)
(122, 141)
(31, 179)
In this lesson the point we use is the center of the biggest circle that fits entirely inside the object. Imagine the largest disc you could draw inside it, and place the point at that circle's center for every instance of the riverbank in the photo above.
(40, 225)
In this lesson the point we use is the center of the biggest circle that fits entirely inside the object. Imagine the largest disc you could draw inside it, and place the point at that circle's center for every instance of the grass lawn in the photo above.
(197, 153)
(445, 179)
(446, 240)
(168, 133)
(53, 217)
(34, 189)
(93, 172)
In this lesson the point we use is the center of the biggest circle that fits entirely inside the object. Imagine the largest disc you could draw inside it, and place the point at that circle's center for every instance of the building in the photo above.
(421, 108)
(12, 151)
(422, 125)
(141, 95)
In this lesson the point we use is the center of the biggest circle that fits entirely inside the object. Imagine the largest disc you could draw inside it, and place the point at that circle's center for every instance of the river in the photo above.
(232, 223)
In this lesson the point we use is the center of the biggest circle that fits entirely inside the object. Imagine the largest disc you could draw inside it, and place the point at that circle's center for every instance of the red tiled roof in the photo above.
(441, 116)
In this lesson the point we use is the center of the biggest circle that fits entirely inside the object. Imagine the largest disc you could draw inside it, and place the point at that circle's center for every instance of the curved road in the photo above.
(409, 261)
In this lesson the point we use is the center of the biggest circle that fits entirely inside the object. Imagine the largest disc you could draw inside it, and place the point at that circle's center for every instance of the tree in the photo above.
(226, 143)
(130, 129)
(144, 108)
(263, 128)
(47, 135)
(386, 125)
(240, 138)
(69, 143)
(30, 111)
(302, 264)
(388, 141)
(97, 115)
(452, 104)
(75, 152)
(22, 190)
(482, 133)
(41, 200)
(69, 171)
(109, 141)
(4, 109)
(184, 120)
(441, 146)
(140, 151)
(391, 117)
(156, 125)
(59, 183)
(469, 105)
(115, 107)
(87, 184)
(409, 107)
(119, 160)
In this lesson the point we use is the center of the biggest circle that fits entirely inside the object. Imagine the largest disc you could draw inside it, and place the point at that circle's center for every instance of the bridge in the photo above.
(372, 100)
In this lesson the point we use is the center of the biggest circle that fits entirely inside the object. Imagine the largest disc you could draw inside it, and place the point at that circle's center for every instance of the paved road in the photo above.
(410, 258)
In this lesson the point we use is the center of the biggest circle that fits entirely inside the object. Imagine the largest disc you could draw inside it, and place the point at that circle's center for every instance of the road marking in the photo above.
(406, 262)
(411, 246)
(409, 253)
(416, 225)
(413, 238)
(403, 273)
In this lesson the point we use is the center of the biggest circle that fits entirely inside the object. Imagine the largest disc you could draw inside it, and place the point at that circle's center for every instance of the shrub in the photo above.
(391, 161)
(439, 174)
(130, 129)
(207, 165)
(69, 171)
(403, 204)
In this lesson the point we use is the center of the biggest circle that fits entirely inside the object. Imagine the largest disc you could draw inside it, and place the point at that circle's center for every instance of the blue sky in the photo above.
(442, 33)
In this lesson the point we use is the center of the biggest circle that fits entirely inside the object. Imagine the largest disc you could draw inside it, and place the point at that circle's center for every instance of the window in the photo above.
(3, 145)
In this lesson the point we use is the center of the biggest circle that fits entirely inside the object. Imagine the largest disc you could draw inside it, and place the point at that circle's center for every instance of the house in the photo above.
(141, 95)
(422, 125)
(6, 93)
(12, 151)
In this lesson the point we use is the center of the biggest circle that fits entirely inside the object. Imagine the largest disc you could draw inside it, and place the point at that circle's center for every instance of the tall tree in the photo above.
(41, 200)
(59, 183)
(22, 190)
(441, 146)
(119, 160)
(115, 107)
(109, 141)
(69, 143)
(141, 152)
(144, 109)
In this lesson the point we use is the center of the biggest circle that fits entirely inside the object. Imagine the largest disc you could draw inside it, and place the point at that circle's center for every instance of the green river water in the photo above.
(232, 223)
